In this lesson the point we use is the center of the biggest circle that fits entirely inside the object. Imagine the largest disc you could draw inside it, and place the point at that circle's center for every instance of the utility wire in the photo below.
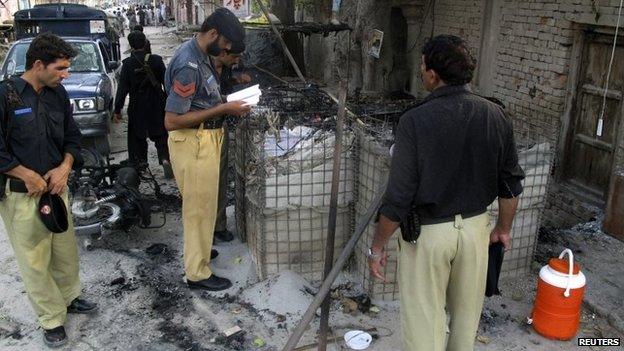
(606, 89)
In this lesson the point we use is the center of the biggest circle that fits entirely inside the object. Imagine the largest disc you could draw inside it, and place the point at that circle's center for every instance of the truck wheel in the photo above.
(92, 157)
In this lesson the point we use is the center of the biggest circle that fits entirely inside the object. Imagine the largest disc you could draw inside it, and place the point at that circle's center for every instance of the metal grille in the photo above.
(536, 156)
(372, 171)
(374, 137)
(284, 167)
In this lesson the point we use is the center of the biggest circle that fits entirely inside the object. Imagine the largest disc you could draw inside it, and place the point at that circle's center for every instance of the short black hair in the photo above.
(449, 57)
(137, 40)
(138, 27)
(48, 48)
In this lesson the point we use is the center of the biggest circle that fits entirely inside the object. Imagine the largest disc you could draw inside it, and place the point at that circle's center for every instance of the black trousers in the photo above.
(137, 147)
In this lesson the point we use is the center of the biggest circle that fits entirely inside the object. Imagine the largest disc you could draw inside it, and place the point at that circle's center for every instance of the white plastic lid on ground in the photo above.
(358, 339)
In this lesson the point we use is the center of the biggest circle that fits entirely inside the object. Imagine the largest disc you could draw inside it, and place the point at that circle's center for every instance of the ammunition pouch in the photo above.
(410, 227)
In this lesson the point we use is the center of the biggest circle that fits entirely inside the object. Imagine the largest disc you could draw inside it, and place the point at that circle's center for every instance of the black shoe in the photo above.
(166, 165)
(224, 235)
(213, 283)
(81, 306)
(213, 254)
(55, 337)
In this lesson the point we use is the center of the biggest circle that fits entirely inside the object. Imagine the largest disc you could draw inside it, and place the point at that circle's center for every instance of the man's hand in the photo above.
(375, 264)
(57, 179)
(236, 108)
(243, 78)
(35, 184)
(504, 236)
(117, 118)
(506, 211)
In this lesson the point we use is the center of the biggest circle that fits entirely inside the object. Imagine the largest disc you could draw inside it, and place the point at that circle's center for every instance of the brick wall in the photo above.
(460, 17)
(564, 209)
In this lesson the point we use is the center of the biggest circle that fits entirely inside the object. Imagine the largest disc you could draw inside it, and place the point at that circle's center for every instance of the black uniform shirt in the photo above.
(42, 130)
(454, 153)
(146, 109)
(135, 82)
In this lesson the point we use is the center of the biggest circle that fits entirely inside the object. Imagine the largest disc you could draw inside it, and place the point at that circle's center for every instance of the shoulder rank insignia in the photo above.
(183, 90)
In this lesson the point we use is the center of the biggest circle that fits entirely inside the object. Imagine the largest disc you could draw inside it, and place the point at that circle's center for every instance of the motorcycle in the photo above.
(106, 198)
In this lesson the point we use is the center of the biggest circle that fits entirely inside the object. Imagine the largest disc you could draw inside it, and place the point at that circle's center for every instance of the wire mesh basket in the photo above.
(284, 169)
(536, 157)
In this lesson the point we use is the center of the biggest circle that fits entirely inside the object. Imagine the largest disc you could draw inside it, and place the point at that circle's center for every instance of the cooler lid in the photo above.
(562, 265)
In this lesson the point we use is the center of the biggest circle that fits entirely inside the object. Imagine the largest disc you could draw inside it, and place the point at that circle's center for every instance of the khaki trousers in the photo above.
(195, 157)
(444, 271)
(48, 262)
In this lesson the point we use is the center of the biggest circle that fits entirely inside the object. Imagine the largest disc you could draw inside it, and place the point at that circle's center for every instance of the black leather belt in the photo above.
(213, 123)
(17, 186)
(427, 221)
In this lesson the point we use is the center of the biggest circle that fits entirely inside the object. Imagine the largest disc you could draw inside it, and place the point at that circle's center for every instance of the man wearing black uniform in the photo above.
(142, 76)
(454, 154)
(39, 144)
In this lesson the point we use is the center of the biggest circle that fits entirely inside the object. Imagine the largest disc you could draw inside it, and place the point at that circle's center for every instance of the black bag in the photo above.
(496, 253)
(410, 227)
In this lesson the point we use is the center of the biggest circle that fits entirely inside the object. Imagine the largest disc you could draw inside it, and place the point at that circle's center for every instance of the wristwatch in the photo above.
(372, 255)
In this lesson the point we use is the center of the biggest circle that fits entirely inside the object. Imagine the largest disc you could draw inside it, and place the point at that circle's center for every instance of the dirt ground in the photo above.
(136, 278)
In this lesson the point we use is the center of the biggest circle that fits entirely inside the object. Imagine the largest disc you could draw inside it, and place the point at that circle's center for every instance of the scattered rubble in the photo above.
(9, 328)
(282, 295)
(156, 249)
(117, 281)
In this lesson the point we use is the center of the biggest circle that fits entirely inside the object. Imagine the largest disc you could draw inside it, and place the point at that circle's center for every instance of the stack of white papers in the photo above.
(251, 95)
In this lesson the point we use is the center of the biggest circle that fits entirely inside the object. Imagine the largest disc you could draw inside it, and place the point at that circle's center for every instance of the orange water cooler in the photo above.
(557, 309)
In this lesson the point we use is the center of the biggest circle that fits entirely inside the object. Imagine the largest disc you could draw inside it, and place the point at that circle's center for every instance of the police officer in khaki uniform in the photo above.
(39, 144)
(454, 154)
(194, 115)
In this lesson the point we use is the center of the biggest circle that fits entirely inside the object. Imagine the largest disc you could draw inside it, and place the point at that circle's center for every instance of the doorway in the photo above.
(398, 77)
(588, 156)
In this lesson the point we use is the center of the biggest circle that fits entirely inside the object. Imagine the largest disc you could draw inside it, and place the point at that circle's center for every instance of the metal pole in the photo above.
(326, 286)
(281, 40)
(333, 209)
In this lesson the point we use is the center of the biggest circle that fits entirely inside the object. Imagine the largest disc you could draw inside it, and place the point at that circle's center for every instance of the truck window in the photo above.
(87, 60)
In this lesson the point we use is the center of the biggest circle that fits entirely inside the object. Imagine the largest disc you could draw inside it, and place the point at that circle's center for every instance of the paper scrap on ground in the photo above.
(251, 95)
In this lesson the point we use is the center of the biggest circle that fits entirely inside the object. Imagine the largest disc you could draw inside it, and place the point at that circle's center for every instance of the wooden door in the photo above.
(589, 157)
